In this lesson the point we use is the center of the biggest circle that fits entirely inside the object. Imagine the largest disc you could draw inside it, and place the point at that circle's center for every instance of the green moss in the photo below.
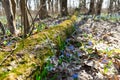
(18, 71)
(3, 55)
(3, 75)
(64, 29)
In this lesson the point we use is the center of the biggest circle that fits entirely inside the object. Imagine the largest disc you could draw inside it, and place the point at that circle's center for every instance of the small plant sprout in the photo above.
(61, 43)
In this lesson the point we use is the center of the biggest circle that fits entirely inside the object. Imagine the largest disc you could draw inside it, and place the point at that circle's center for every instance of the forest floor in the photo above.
(92, 52)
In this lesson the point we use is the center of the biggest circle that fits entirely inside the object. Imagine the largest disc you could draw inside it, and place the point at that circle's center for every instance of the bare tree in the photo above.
(92, 7)
(64, 9)
(117, 5)
(37, 4)
(43, 13)
(56, 6)
(2, 29)
(82, 3)
(49, 1)
(99, 7)
(52, 6)
(24, 16)
(17, 3)
(10, 10)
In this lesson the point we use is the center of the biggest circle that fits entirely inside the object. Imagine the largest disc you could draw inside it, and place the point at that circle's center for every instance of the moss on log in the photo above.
(25, 48)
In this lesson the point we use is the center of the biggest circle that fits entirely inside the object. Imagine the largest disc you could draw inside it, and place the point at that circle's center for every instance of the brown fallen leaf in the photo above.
(117, 63)
(116, 77)
(6, 49)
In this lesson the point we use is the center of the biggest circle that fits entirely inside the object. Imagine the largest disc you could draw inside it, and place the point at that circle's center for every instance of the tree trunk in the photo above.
(37, 4)
(49, 1)
(110, 7)
(117, 5)
(80, 3)
(43, 13)
(24, 16)
(64, 9)
(10, 11)
(52, 6)
(84, 3)
(17, 3)
(82, 6)
(56, 6)
(13, 7)
(99, 7)
(2, 28)
(92, 7)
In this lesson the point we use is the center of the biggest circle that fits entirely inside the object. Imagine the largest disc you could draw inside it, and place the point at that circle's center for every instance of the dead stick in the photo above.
(32, 25)
(9, 55)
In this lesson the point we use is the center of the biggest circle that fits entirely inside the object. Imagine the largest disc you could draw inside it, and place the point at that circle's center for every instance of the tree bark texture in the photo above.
(43, 13)
(24, 16)
(10, 11)
(64, 9)
(92, 7)
(99, 7)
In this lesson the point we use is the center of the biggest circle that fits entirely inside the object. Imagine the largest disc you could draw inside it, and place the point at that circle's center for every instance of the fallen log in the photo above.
(29, 52)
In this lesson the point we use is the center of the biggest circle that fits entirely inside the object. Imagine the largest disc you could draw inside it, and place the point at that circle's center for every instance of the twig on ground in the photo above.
(9, 55)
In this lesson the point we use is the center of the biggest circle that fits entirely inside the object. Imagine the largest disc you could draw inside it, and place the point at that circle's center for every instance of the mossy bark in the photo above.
(27, 46)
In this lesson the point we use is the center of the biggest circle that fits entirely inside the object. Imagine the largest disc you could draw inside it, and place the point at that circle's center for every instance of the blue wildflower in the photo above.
(75, 26)
(68, 54)
(79, 54)
(49, 68)
(62, 52)
(58, 21)
(71, 47)
(67, 40)
(90, 43)
(98, 35)
(75, 76)
(61, 56)
(8, 43)
(52, 58)
(104, 61)
(85, 46)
